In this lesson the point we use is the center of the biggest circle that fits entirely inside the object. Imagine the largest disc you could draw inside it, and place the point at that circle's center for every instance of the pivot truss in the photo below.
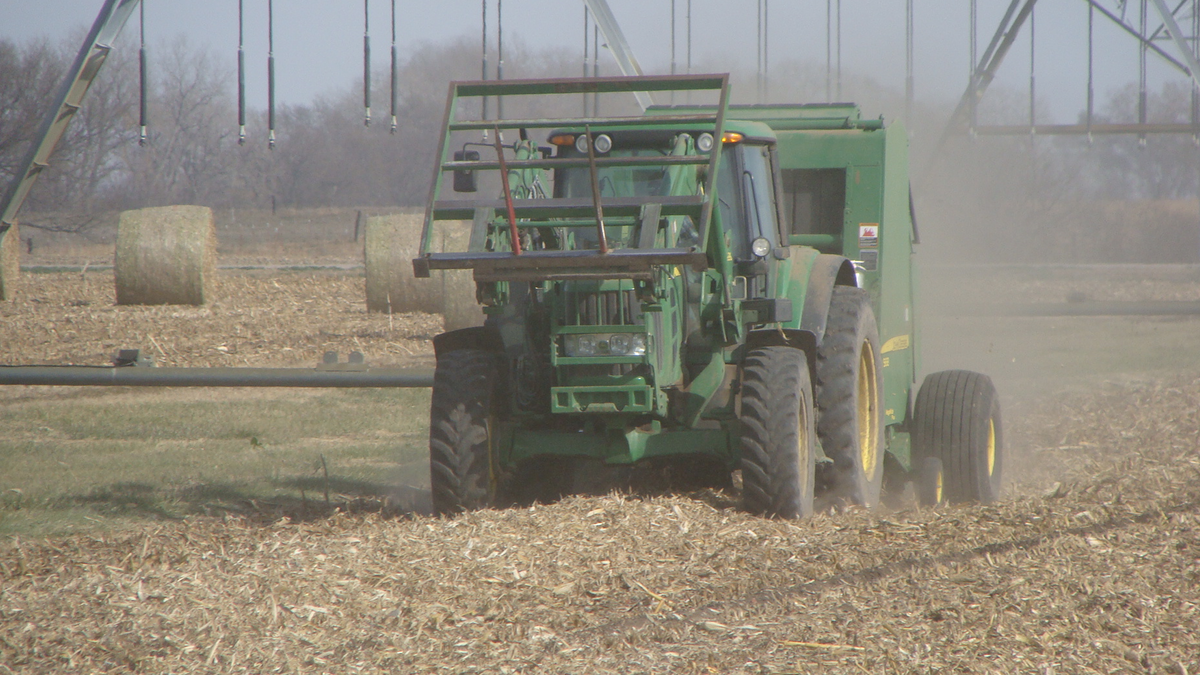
(1167, 29)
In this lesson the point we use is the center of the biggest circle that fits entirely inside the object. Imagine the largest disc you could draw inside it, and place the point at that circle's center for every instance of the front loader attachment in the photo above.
(527, 234)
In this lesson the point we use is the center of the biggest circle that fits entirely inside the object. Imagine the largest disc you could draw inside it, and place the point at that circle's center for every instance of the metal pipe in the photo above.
(67, 102)
(839, 49)
(1142, 72)
(974, 38)
(1091, 83)
(758, 52)
(672, 40)
(143, 77)
(828, 51)
(395, 71)
(1032, 72)
(603, 238)
(367, 63)
(1196, 55)
(499, 56)
(241, 60)
(1132, 31)
(595, 66)
(141, 376)
(271, 74)
(689, 39)
(508, 199)
(908, 66)
(1176, 35)
(484, 77)
(1084, 129)
(586, 33)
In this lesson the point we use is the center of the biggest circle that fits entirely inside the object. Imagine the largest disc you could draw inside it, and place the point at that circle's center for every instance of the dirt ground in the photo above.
(1091, 563)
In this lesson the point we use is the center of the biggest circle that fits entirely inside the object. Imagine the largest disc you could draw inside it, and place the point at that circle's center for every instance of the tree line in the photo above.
(326, 157)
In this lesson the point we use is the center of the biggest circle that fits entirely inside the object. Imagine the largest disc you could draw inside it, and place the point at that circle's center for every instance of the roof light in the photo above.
(603, 143)
(562, 139)
(731, 137)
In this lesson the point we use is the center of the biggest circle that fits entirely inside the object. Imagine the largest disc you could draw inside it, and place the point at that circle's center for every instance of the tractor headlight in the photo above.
(603, 143)
(605, 344)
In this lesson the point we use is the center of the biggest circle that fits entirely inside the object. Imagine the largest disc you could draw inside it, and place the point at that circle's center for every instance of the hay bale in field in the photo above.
(10, 262)
(390, 245)
(459, 308)
(166, 256)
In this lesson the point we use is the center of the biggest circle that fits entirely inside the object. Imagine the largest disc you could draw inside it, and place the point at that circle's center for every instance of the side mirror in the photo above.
(464, 179)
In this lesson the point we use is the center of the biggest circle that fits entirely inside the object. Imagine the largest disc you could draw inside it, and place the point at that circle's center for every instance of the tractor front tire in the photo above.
(778, 458)
(956, 420)
(849, 401)
(462, 474)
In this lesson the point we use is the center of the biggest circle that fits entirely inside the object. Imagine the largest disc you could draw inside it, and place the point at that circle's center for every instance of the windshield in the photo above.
(745, 189)
(619, 181)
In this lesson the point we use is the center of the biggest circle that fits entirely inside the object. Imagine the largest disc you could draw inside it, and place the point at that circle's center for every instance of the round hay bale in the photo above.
(459, 307)
(10, 262)
(389, 245)
(166, 256)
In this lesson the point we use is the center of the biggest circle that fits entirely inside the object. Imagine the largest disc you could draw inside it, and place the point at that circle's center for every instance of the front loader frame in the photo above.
(516, 213)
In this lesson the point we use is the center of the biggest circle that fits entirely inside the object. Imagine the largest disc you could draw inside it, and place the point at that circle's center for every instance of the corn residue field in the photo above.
(195, 531)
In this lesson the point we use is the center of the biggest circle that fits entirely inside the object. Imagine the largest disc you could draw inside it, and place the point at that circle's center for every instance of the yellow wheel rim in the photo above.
(868, 392)
(802, 448)
(938, 488)
(991, 447)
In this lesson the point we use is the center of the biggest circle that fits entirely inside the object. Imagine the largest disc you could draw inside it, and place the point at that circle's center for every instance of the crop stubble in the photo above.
(1092, 563)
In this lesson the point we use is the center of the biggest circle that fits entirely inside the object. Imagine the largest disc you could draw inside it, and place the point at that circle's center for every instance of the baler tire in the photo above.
(777, 458)
(462, 475)
(956, 419)
(931, 482)
(849, 401)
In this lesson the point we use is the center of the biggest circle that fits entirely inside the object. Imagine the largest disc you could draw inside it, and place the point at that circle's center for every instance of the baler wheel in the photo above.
(849, 395)
(461, 467)
(956, 419)
(778, 459)
(931, 482)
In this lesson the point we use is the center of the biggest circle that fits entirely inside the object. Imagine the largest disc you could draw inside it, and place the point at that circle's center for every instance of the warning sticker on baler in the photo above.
(868, 235)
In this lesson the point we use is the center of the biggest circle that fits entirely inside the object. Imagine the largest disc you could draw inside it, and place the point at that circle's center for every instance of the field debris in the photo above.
(1090, 563)
(260, 319)
(1103, 575)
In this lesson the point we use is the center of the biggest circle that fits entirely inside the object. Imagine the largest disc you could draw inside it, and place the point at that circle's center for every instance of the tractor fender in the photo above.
(797, 338)
(485, 338)
(827, 271)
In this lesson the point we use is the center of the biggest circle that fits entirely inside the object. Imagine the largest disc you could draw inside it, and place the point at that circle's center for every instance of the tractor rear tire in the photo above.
(462, 474)
(849, 401)
(956, 419)
(778, 460)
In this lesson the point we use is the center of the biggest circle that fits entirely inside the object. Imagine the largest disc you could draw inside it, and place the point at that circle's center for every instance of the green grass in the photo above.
(93, 459)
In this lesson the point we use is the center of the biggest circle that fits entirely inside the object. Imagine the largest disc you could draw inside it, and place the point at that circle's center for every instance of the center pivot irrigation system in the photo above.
(690, 292)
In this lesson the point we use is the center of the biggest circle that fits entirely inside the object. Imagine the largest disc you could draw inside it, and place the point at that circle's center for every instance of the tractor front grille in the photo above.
(602, 308)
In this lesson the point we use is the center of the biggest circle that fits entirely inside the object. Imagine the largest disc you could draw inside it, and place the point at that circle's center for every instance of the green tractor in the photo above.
(691, 292)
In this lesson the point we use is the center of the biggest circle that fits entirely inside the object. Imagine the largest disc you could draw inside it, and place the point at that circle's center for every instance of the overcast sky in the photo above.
(318, 43)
